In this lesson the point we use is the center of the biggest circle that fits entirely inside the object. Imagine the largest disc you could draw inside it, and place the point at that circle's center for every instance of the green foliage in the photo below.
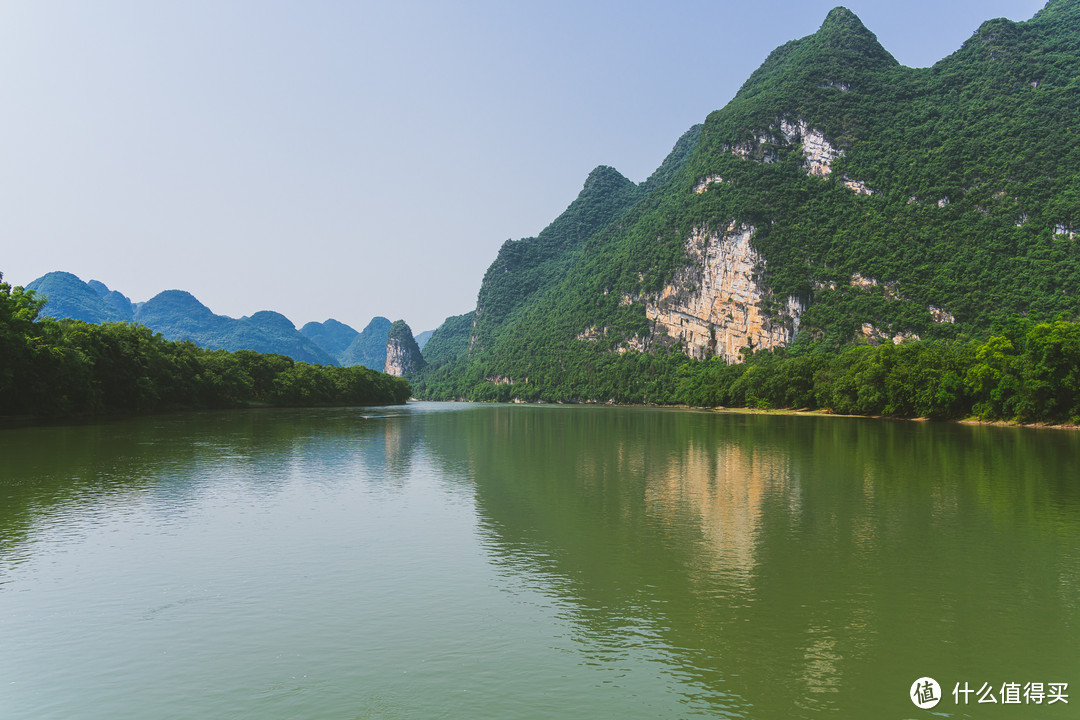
(69, 297)
(50, 367)
(20, 340)
(369, 347)
(525, 269)
(974, 167)
(332, 336)
(1032, 375)
(450, 341)
(177, 315)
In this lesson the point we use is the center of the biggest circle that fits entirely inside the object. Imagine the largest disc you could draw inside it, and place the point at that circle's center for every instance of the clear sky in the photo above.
(351, 159)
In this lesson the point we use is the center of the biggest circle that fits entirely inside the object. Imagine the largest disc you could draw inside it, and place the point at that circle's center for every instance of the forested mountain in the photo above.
(403, 358)
(525, 269)
(178, 315)
(52, 367)
(840, 199)
(332, 336)
(368, 348)
(70, 297)
(449, 341)
(422, 338)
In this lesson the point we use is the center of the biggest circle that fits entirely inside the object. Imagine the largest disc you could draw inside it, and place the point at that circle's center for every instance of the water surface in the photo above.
(457, 561)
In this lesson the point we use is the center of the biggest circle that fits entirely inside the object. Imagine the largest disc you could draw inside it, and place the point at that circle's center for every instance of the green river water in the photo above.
(463, 561)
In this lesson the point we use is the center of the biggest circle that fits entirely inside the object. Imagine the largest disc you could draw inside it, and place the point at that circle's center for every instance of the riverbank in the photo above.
(827, 413)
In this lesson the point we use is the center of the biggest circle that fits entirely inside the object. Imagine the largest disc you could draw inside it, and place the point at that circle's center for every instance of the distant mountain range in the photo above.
(178, 315)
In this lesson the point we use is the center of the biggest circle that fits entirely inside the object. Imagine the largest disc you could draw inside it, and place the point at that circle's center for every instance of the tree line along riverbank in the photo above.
(1024, 372)
(67, 367)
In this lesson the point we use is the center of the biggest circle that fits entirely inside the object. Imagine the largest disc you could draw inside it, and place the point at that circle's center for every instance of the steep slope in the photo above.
(527, 267)
(422, 338)
(450, 341)
(403, 358)
(369, 347)
(839, 197)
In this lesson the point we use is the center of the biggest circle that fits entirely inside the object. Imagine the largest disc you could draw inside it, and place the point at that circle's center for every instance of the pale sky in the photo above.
(352, 159)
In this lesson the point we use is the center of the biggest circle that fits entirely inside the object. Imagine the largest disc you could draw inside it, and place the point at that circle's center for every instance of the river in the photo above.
(485, 561)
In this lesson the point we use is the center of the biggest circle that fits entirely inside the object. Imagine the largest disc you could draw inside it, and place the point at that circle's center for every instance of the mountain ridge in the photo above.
(179, 315)
(839, 198)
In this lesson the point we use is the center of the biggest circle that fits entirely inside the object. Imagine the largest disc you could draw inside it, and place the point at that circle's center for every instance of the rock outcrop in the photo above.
(717, 305)
(819, 154)
(403, 356)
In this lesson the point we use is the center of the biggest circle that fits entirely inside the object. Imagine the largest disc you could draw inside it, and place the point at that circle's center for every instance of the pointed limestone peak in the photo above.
(843, 52)
(843, 32)
(604, 179)
(605, 195)
(843, 20)
(403, 356)
(675, 159)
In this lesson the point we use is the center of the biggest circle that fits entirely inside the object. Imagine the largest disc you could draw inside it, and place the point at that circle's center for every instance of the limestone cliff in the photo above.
(840, 198)
(717, 304)
(403, 356)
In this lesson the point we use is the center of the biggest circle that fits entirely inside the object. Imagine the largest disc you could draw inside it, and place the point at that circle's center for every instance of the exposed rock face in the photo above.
(858, 187)
(875, 335)
(403, 356)
(857, 280)
(817, 150)
(818, 153)
(368, 348)
(941, 315)
(717, 305)
(704, 183)
(841, 86)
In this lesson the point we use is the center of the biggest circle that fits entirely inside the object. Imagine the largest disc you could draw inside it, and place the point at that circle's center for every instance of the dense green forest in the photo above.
(61, 367)
(526, 269)
(949, 212)
(450, 341)
(1029, 373)
(177, 315)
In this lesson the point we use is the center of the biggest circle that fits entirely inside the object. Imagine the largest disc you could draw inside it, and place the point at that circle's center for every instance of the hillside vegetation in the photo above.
(62, 367)
(934, 207)
(178, 315)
